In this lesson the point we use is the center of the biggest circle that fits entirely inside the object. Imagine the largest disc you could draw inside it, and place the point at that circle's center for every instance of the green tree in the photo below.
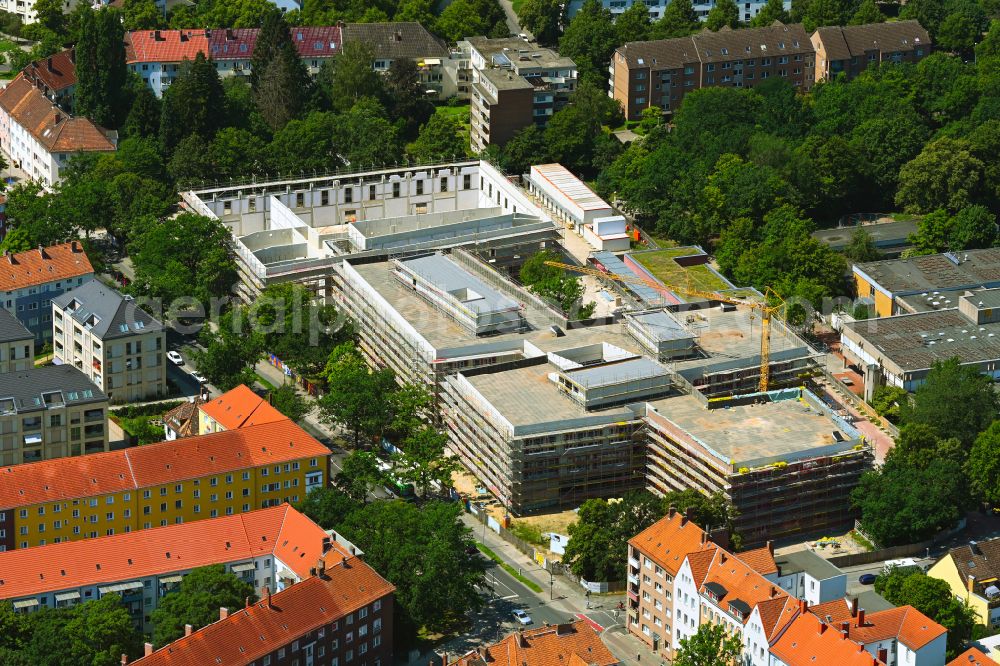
(868, 12)
(168, 265)
(723, 13)
(679, 20)
(327, 506)
(272, 38)
(33, 219)
(424, 462)
(366, 137)
(409, 104)
(192, 103)
(349, 77)
(142, 15)
(143, 118)
(357, 398)
(283, 89)
(440, 139)
(972, 228)
(590, 39)
(525, 148)
(95, 633)
(954, 399)
(825, 12)
(773, 10)
(944, 175)
(359, 475)
(711, 645)
(887, 399)
(288, 401)
(100, 69)
(465, 18)
(543, 18)
(305, 145)
(861, 248)
(983, 466)
(49, 16)
(554, 283)
(197, 602)
(575, 133)
(230, 353)
(633, 25)
(709, 512)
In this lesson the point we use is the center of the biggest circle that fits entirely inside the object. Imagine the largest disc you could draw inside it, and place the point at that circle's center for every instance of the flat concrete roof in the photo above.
(883, 234)
(662, 326)
(914, 342)
(505, 79)
(948, 271)
(780, 429)
(511, 48)
(449, 277)
(616, 373)
(574, 189)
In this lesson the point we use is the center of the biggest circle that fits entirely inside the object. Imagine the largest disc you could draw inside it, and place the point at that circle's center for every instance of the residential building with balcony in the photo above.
(340, 615)
(658, 74)
(25, 9)
(40, 137)
(514, 83)
(851, 49)
(406, 40)
(972, 572)
(182, 481)
(572, 643)
(50, 412)
(30, 280)
(17, 344)
(108, 337)
(274, 547)
(748, 10)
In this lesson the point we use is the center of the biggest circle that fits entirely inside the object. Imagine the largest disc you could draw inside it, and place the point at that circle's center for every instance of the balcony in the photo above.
(633, 579)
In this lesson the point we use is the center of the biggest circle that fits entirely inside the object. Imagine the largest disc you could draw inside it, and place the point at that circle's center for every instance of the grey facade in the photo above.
(17, 344)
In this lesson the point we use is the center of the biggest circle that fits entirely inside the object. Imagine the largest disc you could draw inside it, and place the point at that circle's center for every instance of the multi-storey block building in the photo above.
(515, 83)
(275, 548)
(30, 280)
(40, 137)
(113, 341)
(182, 481)
(406, 40)
(17, 344)
(657, 74)
(972, 572)
(50, 412)
(574, 643)
(55, 76)
(852, 49)
(341, 615)
(25, 9)
(656, 7)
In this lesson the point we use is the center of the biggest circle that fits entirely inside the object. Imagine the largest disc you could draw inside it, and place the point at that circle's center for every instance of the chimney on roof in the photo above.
(72, 54)
(321, 568)
(74, 246)
(803, 606)
(854, 607)
(124, 659)
(722, 557)
(883, 655)
(520, 637)
(57, 118)
(156, 36)
(399, 35)
(41, 249)
(230, 34)
(10, 257)
(223, 613)
(147, 649)
(684, 520)
(672, 511)
(845, 628)
(774, 591)
(861, 617)
(267, 595)
(822, 627)
(770, 548)
(971, 583)
(246, 603)
(48, 64)
(327, 544)
(704, 538)
(188, 629)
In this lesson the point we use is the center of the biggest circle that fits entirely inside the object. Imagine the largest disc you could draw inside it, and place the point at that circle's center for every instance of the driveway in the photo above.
(513, 24)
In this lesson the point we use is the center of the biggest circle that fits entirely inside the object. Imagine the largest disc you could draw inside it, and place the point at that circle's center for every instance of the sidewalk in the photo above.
(277, 377)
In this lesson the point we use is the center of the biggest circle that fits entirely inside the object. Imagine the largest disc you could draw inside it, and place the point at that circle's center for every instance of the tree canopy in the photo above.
(202, 592)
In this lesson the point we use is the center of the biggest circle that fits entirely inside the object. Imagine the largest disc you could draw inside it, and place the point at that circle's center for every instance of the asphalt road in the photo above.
(854, 586)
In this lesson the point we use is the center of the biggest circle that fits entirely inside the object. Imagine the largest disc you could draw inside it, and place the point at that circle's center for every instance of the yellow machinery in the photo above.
(766, 311)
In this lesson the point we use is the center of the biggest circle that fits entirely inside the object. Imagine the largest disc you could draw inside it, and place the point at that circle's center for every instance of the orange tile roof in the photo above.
(155, 464)
(164, 45)
(972, 657)
(700, 561)
(239, 408)
(741, 583)
(775, 614)
(669, 540)
(906, 624)
(58, 131)
(553, 645)
(31, 268)
(280, 530)
(760, 560)
(57, 72)
(250, 633)
(809, 642)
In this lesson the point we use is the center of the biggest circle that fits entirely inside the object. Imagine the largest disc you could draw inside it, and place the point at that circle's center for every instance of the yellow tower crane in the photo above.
(766, 311)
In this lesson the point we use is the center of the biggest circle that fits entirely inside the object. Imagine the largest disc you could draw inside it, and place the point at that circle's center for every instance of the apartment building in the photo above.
(17, 344)
(113, 341)
(657, 74)
(40, 137)
(808, 641)
(972, 572)
(573, 642)
(274, 548)
(852, 49)
(406, 40)
(25, 9)
(657, 7)
(183, 481)
(158, 56)
(786, 461)
(55, 76)
(514, 83)
(341, 615)
(50, 412)
(235, 409)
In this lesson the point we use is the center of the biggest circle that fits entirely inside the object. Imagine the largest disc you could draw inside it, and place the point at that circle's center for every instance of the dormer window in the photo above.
(739, 609)
(715, 591)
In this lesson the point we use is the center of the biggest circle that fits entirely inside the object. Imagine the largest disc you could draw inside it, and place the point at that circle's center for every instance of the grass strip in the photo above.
(530, 584)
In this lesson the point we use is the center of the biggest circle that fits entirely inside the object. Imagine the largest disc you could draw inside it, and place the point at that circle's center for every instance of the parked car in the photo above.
(866, 579)
(200, 378)
(175, 358)
(522, 617)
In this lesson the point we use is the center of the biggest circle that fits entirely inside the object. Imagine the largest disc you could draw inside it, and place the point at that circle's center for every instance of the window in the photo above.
(349, 195)
(420, 187)
(444, 184)
(466, 181)
(395, 190)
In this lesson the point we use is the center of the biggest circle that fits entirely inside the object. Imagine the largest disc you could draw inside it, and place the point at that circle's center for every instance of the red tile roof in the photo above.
(164, 45)
(34, 267)
(809, 642)
(741, 583)
(569, 644)
(239, 408)
(281, 531)
(669, 540)
(760, 560)
(249, 634)
(57, 72)
(155, 464)
(972, 657)
(58, 131)
(906, 624)
(317, 41)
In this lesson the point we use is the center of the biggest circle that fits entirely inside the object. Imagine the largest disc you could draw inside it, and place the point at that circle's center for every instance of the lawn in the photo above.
(662, 265)
(459, 113)
(144, 422)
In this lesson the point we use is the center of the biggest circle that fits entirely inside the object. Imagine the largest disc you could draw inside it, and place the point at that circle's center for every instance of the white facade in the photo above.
(657, 7)
(803, 585)
(28, 153)
(26, 8)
